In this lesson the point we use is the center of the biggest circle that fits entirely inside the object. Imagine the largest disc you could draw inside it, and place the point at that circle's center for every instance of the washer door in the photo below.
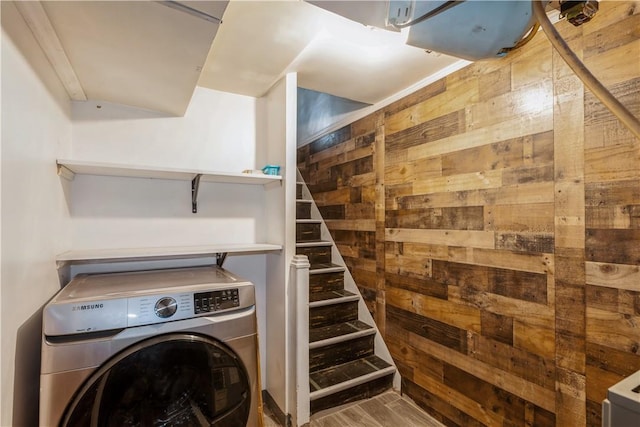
(169, 380)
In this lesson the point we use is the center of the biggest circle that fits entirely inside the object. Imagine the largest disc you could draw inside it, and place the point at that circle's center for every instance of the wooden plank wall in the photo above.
(492, 223)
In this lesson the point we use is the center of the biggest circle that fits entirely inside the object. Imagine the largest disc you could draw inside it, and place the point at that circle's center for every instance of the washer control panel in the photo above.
(207, 302)
(100, 302)
(148, 309)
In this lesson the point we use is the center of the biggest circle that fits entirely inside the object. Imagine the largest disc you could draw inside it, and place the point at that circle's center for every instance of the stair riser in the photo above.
(303, 210)
(298, 191)
(331, 314)
(363, 391)
(335, 354)
(307, 232)
(317, 254)
(326, 282)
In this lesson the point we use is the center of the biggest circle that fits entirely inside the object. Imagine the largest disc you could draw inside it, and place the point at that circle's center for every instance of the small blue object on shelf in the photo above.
(271, 170)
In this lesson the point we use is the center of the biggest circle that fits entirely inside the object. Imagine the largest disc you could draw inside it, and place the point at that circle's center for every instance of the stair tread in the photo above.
(330, 295)
(308, 221)
(304, 200)
(311, 244)
(346, 372)
(337, 330)
(335, 267)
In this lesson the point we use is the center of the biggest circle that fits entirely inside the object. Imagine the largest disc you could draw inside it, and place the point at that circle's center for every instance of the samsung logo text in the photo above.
(87, 307)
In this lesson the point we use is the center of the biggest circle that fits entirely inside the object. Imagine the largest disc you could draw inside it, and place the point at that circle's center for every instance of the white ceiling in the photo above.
(260, 41)
(147, 55)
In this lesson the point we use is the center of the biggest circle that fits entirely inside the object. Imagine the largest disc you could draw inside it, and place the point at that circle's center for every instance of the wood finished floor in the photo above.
(389, 409)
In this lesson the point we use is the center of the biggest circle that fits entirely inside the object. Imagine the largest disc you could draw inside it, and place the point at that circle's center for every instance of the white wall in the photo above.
(217, 133)
(35, 223)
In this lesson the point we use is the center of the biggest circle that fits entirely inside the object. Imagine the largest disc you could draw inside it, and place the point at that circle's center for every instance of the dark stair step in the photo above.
(299, 190)
(339, 332)
(331, 297)
(348, 382)
(317, 252)
(303, 209)
(340, 352)
(307, 230)
(324, 281)
(329, 312)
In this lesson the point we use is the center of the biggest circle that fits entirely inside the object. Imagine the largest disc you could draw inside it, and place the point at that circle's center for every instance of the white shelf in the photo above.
(159, 253)
(69, 168)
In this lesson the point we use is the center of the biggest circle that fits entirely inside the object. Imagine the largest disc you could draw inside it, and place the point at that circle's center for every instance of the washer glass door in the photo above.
(169, 380)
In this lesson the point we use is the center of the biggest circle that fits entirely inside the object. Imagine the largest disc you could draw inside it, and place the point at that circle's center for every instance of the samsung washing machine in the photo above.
(173, 347)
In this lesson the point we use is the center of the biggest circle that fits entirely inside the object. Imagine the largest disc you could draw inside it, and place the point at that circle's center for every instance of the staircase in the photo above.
(343, 365)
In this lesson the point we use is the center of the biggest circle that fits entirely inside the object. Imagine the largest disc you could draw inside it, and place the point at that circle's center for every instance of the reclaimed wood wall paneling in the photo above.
(497, 244)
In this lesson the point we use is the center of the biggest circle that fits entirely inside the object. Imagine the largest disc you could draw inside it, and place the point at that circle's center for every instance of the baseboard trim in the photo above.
(279, 415)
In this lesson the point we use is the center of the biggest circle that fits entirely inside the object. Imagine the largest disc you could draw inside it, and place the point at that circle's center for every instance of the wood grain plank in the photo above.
(337, 137)
(497, 327)
(613, 65)
(459, 400)
(571, 397)
(521, 285)
(528, 174)
(598, 382)
(455, 218)
(536, 339)
(499, 155)
(602, 128)
(352, 224)
(612, 13)
(598, 163)
(333, 155)
(526, 242)
(361, 180)
(613, 246)
(337, 197)
(474, 239)
(513, 195)
(533, 65)
(428, 92)
(614, 193)
(514, 128)
(423, 285)
(427, 131)
(460, 182)
(528, 391)
(536, 217)
(535, 263)
(439, 405)
(525, 101)
(528, 366)
(440, 332)
(459, 316)
(455, 98)
(616, 330)
(618, 276)
(537, 313)
(622, 363)
(495, 83)
(399, 173)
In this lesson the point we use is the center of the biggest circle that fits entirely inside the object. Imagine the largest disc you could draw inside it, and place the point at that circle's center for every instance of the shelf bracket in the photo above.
(220, 258)
(195, 186)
